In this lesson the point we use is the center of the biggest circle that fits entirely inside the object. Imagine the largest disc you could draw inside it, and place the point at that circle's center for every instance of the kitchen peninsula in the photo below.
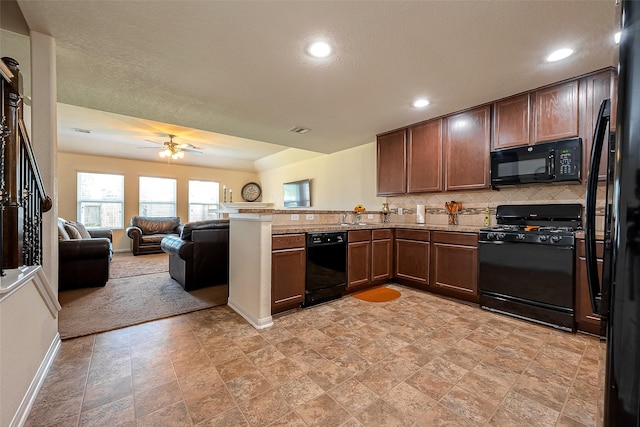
(250, 249)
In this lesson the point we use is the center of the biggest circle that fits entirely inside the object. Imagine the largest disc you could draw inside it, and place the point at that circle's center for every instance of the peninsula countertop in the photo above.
(310, 228)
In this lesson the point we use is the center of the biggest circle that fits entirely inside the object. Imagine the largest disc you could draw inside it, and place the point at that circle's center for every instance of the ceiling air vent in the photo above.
(299, 129)
(81, 130)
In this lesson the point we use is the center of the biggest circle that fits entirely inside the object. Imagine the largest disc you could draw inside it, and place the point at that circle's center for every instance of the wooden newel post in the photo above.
(9, 173)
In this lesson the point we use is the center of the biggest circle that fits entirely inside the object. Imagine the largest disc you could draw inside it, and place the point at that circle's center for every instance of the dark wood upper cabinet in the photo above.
(597, 87)
(424, 165)
(556, 112)
(467, 143)
(511, 122)
(391, 163)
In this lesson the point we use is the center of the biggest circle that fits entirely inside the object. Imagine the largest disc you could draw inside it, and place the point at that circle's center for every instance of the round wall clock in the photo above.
(251, 192)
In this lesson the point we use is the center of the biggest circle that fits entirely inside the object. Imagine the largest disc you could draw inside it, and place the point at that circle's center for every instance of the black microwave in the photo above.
(554, 161)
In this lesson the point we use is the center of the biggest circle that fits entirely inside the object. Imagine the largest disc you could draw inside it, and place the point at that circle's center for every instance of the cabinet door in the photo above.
(511, 122)
(455, 267)
(424, 165)
(391, 163)
(287, 278)
(412, 260)
(598, 87)
(556, 112)
(359, 261)
(467, 146)
(586, 319)
(381, 259)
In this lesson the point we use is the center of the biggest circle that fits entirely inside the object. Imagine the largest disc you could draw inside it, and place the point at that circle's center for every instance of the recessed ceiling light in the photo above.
(616, 37)
(559, 54)
(319, 49)
(420, 103)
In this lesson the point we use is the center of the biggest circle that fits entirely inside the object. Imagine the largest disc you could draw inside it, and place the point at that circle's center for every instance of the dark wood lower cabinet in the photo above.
(359, 259)
(288, 272)
(412, 257)
(381, 255)
(454, 264)
(586, 319)
(442, 262)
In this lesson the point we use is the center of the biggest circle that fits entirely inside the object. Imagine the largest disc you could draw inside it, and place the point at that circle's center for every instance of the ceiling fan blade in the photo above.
(155, 142)
(192, 151)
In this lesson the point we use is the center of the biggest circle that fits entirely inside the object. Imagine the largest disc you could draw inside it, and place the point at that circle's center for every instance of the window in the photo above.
(100, 200)
(203, 200)
(157, 196)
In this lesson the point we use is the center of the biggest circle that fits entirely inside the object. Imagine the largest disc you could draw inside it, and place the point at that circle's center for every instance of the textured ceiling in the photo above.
(239, 68)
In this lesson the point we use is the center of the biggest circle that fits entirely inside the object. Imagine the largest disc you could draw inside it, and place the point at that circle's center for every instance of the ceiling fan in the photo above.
(174, 150)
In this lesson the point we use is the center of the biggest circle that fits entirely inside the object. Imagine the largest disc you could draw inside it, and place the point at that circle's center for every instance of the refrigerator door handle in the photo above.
(595, 289)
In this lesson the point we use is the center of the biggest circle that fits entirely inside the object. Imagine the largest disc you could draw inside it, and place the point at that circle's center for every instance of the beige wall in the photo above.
(69, 164)
(339, 180)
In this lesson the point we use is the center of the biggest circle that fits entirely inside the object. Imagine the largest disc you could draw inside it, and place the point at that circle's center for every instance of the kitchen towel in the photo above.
(420, 214)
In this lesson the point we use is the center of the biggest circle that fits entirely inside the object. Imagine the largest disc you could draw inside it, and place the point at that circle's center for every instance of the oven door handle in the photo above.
(595, 289)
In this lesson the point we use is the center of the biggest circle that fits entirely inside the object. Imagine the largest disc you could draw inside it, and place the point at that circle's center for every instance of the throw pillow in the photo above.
(81, 229)
(73, 232)
(62, 233)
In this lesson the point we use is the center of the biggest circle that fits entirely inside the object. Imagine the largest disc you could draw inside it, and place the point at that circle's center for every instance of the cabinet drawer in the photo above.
(582, 251)
(287, 241)
(359, 236)
(420, 235)
(381, 234)
(454, 238)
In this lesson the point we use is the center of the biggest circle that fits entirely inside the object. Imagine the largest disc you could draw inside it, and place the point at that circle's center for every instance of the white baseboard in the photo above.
(257, 323)
(20, 418)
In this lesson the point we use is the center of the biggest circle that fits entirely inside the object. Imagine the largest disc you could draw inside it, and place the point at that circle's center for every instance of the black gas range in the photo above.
(527, 263)
(544, 235)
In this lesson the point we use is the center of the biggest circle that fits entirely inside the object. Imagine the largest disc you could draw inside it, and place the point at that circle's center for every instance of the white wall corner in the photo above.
(46, 292)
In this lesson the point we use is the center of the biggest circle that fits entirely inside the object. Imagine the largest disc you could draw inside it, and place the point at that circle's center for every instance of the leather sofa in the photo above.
(146, 233)
(83, 256)
(199, 256)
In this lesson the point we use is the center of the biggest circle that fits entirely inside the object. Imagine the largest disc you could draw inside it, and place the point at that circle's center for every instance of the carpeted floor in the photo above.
(124, 264)
(139, 294)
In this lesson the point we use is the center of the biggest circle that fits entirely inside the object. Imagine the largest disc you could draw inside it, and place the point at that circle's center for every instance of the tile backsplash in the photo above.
(475, 202)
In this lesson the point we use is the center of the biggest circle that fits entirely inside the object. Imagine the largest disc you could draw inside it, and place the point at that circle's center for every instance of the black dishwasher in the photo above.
(326, 277)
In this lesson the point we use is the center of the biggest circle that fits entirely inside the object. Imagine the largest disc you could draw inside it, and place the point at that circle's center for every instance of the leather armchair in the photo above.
(199, 257)
(146, 233)
(83, 261)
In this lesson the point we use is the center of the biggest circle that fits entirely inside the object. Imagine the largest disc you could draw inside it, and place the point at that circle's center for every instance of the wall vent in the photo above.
(299, 129)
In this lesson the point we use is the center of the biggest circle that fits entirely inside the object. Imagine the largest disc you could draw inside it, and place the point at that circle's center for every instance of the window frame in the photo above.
(174, 202)
(214, 205)
(81, 203)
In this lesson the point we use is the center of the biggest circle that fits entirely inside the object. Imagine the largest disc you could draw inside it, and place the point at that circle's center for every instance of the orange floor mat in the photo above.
(380, 294)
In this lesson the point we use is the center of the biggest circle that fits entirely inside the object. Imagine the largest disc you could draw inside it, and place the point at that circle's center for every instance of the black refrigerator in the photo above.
(616, 293)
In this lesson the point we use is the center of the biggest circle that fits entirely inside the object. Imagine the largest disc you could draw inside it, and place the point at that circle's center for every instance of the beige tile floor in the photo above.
(420, 360)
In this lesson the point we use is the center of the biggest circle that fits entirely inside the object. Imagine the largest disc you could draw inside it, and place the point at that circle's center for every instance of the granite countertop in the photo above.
(289, 229)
